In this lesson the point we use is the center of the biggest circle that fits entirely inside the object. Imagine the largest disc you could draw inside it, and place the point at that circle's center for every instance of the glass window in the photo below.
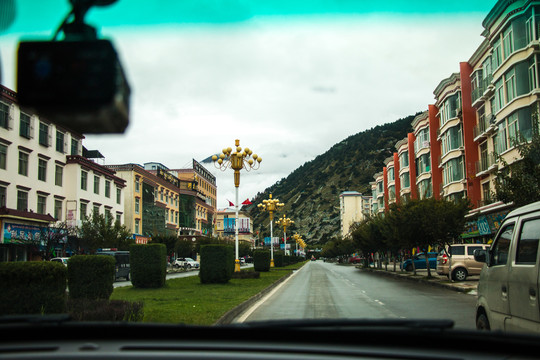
(471, 249)
(510, 84)
(84, 180)
(41, 204)
(74, 146)
(496, 57)
(118, 195)
(58, 209)
(107, 188)
(137, 185)
(405, 180)
(508, 42)
(42, 169)
(137, 205)
(3, 156)
(43, 134)
(96, 210)
(527, 246)
(3, 196)
(4, 115)
(60, 141)
(513, 129)
(457, 250)
(499, 96)
(118, 218)
(23, 163)
(390, 174)
(404, 159)
(96, 184)
(83, 210)
(24, 128)
(499, 251)
(58, 175)
(500, 139)
(22, 200)
(137, 226)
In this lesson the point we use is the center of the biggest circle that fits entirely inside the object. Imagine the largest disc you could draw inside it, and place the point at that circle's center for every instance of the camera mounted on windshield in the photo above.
(77, 82)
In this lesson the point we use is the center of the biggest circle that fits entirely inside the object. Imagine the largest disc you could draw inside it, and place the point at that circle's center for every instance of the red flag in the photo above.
(247, 202)
(230, 203)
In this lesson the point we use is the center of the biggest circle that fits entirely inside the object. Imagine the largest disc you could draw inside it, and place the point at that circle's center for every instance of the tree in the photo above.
(53, 237)
(519, 182)
(169, 241)
(99, 233)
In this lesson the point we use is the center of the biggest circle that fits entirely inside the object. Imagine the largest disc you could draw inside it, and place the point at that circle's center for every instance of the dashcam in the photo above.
(77, 84)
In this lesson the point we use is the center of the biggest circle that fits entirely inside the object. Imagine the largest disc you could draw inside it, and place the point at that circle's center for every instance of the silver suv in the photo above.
(458, 260)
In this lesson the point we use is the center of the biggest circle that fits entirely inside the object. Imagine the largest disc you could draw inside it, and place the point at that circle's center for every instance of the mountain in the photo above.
(311, 192)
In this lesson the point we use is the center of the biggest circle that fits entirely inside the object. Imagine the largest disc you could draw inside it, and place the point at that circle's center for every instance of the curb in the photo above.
(449, 286)
(232, 314)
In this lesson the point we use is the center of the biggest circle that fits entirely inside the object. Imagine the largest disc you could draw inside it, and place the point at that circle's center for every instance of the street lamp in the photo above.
(298, 239)
(237, 161)
(284, 222)
(271, 205)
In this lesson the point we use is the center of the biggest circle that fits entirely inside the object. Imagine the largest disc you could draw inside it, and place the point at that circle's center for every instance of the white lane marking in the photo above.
(379, 302)
(261, 301)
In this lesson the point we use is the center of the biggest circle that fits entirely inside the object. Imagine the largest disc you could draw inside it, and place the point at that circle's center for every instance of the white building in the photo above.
(44, 178)
(353, 207)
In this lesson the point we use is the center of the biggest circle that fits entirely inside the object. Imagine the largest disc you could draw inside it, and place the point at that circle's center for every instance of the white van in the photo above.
(508, 290)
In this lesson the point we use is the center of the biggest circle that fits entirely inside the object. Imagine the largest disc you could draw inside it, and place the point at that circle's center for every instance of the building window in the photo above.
(137, 205)
(532, 75)
(41, 204)
(510, 84)
(404, 179)
(137, 185)
(4, 115)
(74, 147)
(137, 226)
(508, 42)
(84, 180)
(3, 156)
(42, 169)
(58, 175)
(118, 195)
(83, 210)
(96, 184)
(499, 96)
(3, 194)
(108, 216)
(22, 200)
(453, 170)
(107, 188)
(390, 174)
(404, 159)
(60, 145)
(44, 134)
(119, 218)
(23, 163)
(58, 209)
(496, 57)
(96, 210)
(25, 128)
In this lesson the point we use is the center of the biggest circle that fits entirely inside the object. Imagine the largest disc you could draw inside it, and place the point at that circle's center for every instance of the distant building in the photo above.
(353, 207)
(226, 223)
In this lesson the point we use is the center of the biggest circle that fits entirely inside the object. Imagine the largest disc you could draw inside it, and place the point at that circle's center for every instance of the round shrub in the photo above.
(261, 260)
(278, 259)
(33, 287)
(148, 264)
(91, 276)
(217, 263)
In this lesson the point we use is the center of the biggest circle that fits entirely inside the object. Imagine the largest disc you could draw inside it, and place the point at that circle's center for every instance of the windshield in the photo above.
(324, 144)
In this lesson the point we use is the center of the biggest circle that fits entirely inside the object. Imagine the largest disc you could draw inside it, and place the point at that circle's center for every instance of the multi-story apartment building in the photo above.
(353, 207)
(390, 179)
(206, 206)
(422, 155)
(44, 179)
(404, 173)
(379, 196)
(226, 225)
(157, 203)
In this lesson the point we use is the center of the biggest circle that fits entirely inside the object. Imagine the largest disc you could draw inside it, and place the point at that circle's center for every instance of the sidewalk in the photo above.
(468, 286)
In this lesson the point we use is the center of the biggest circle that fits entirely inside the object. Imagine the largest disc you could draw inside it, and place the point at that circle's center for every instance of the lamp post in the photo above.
(237, 161)
(271, 205)
(284, 221)
(298, 239)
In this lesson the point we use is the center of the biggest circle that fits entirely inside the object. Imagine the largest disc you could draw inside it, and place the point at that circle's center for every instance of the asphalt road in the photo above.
(328, 290)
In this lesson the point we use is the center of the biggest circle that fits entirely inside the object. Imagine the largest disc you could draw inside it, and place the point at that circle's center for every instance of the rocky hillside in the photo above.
(311, 192)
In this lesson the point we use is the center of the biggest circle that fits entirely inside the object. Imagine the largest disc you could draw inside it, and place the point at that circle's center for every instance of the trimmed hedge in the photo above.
(217, 264)
(32, 287)
(287, 260)
(278, 259)
(105, 310)
(261, 260)
(91, 276)
(148, 265)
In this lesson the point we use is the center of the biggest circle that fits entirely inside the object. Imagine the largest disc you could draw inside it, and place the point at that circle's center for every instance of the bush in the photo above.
(148, 265)
(287, 260)
(91, 276)
(278, 259)
(217, 263)
(33, 287)
(246, 275)
(105, 310)
(261, 260)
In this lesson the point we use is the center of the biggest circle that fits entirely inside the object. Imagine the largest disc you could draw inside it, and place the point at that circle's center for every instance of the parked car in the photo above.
(355, 260)
(461, 259)
(508, 288)
(187, 263)
(63, 260)
(420, 261)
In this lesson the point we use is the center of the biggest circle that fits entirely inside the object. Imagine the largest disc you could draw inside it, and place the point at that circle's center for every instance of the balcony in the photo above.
(489, 88)
(486, 164)
(486, 124)
(477, 94)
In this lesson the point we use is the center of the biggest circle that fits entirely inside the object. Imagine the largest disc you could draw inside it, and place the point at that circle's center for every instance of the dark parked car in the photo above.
(420, 261)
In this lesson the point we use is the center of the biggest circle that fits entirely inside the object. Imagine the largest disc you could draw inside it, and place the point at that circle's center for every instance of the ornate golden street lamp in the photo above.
(284, 221)
(271, 205)
(298, 239)
(237, 160)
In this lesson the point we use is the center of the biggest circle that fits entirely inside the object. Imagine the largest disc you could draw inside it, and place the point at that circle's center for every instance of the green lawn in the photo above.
(186, 300)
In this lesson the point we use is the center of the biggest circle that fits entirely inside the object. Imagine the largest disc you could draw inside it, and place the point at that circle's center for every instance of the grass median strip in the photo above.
(187, 301)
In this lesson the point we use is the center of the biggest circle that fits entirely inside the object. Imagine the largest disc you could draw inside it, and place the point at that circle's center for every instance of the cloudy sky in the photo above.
(289, 81)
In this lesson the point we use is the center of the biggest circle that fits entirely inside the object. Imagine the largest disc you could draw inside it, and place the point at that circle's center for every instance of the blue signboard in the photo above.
(483, 226)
